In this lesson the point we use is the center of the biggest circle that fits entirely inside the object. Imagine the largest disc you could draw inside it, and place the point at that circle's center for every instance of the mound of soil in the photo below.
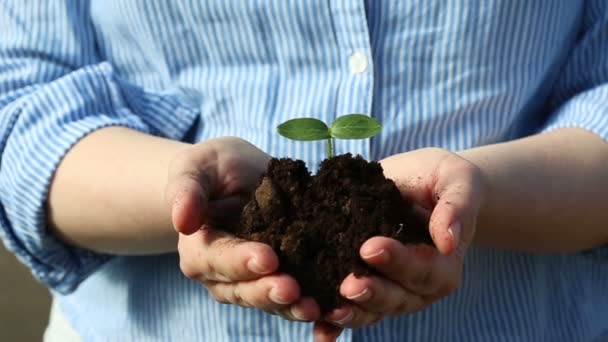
(317, 224)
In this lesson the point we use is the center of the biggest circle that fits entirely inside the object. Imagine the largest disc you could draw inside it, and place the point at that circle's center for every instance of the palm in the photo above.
(436, 180)
(416, 174)
(220, 176)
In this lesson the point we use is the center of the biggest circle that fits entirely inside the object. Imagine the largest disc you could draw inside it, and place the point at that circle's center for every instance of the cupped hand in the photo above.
(448, 188)
(208, 185)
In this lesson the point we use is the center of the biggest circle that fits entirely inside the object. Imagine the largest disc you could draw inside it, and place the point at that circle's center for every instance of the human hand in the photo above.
(451, 190)
(208, 185)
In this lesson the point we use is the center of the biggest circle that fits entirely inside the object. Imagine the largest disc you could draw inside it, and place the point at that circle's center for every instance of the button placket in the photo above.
(357, 84)
(358, 62)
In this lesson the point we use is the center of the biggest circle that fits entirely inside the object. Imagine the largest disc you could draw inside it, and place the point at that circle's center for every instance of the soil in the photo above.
(317, 224)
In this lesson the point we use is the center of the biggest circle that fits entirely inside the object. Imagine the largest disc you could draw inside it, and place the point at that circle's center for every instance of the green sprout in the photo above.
(350, 126)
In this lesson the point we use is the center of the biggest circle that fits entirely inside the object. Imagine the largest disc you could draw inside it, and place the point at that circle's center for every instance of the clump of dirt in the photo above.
(317, 224)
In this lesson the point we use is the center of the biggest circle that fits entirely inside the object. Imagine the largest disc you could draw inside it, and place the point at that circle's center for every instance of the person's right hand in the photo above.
(208, 185)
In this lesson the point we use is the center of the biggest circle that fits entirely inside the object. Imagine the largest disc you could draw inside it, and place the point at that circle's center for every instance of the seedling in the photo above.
(350, 126)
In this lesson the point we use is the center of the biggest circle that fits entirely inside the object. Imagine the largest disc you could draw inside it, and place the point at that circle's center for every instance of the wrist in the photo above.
(486, 186)
(108, 193)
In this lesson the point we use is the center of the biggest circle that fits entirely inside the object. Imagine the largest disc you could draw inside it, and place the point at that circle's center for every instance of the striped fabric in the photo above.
(451, 73)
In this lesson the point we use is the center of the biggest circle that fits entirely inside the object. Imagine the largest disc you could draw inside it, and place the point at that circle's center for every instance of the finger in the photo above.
(304, 309)
(187, 193)
(213, 255)
(326, 332)
(268, 293)
(379, 295)
(452, 221)
(418, 268)
(351, 316)
(188, 205)
(445, 224)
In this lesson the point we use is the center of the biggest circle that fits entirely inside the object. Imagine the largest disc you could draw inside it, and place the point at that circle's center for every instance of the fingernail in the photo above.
(454, 231)
(361, 296)
(275, 297)
(174, 220)
(254, 266)
(174, 214)
(297, 314)
(382, 255)
(346, 319)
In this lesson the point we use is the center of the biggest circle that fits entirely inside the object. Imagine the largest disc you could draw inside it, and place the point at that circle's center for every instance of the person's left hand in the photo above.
(451, 189)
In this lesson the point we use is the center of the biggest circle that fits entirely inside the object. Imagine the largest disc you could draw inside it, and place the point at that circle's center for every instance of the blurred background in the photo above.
(24, 303)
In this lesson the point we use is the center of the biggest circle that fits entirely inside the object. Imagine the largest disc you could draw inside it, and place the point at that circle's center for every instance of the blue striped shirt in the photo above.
(454, 74)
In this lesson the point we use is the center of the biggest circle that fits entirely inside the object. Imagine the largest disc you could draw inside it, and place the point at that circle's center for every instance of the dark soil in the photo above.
(317, 224)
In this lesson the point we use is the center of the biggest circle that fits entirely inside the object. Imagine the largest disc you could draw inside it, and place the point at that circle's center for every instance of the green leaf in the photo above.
(304, 129)
(354, 126)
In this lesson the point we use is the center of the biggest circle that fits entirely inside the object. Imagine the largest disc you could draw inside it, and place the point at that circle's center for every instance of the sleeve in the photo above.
(581, 94)
(54, 90)
(580, 97)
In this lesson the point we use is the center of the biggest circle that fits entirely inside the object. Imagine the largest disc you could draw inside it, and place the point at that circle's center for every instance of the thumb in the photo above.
(453, 219)
(188, 196)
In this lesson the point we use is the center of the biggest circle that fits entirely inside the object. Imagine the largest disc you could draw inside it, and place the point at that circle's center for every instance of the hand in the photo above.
(208, 185)
(451, 190)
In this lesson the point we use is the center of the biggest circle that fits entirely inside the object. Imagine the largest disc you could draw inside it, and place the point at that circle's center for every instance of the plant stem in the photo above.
(330, 147)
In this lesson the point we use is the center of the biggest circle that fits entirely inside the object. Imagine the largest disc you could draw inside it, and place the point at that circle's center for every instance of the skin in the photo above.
(523, 195)
(154, 187)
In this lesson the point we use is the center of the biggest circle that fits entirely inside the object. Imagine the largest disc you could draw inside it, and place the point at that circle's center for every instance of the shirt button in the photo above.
(357, 62)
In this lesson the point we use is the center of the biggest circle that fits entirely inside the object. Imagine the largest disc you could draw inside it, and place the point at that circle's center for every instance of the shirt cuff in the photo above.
(588, 110)
(38, 129)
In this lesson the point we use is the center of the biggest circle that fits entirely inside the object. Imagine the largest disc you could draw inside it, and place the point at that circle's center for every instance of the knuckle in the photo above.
(423, 279)
(218, 296)
(272, 312)
(201, 267)
(187, 269)
(376, 320)
(225, 244)
(238, 297)
(400, 309)
(439, 294)
(261, 301)
(285, 313)
(363, 319)
(208, 267)
(452, 286)
(447, 289)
